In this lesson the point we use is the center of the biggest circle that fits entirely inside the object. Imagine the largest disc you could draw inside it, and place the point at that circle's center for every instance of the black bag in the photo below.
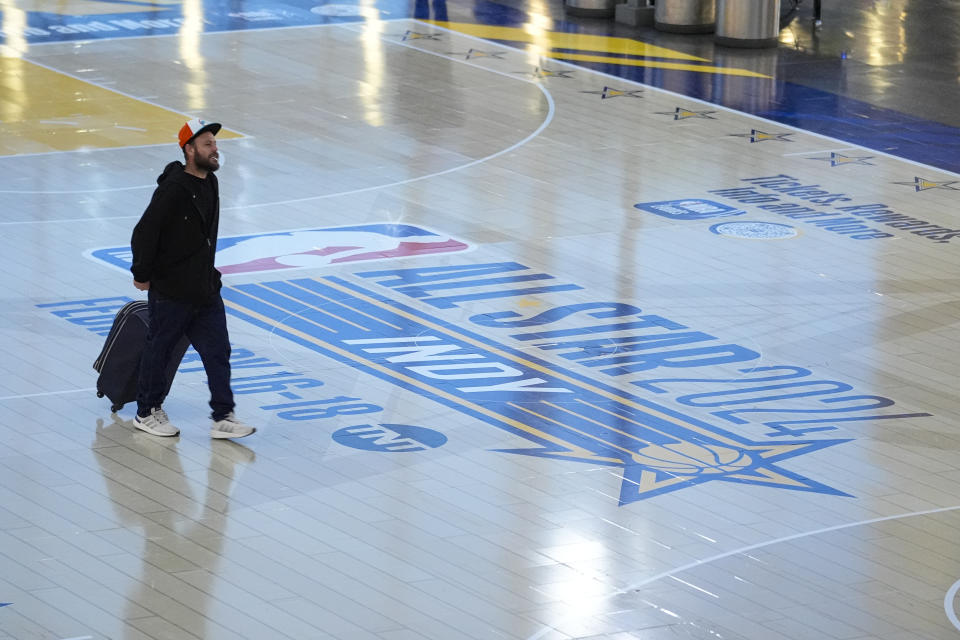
(119, 362)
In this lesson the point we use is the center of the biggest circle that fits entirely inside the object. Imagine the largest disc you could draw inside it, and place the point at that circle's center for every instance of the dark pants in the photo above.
(206, 327)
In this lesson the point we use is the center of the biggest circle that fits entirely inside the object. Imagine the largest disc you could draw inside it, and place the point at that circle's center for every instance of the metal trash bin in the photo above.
(591, 8)
(685, 16)
(748, 23)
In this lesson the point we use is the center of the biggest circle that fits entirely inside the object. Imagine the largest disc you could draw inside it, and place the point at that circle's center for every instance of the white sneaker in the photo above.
(230, 427)
(156, 423)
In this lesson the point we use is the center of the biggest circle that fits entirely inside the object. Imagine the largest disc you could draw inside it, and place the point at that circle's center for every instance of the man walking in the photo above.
(174, 245)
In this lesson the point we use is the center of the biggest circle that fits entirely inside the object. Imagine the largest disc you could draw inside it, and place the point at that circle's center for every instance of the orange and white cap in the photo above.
(195, 127)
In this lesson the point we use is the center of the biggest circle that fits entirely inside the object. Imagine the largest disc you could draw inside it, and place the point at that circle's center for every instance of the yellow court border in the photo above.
(45, 110)
(548, 41)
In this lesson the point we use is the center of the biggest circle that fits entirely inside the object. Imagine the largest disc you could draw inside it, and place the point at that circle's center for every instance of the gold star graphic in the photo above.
(756, 135)
(541, 72)
(415, 35)
(683, 114)
(838, 159)
(610, 92)
(922, 184)
(477, 53)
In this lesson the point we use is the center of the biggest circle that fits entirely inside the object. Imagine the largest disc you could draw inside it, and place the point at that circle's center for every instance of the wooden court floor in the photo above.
(535, 352)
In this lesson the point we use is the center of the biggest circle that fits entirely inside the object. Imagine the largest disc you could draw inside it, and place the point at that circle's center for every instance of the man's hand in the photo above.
(143, 286)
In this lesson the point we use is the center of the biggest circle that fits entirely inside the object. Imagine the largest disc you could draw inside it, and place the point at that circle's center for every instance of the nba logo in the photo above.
(312, 248)
(689, 209)
(304, 248)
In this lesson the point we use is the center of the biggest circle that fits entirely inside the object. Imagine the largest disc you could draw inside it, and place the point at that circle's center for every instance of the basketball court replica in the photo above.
(534, 350)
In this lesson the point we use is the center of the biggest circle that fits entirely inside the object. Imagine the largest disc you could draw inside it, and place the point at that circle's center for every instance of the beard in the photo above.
(207, 163)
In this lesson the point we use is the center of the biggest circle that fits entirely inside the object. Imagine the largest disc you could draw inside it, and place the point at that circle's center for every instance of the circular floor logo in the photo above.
(389, 437)
(754, 230)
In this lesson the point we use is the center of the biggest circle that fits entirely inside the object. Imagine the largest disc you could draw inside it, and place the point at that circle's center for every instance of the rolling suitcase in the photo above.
(119, 362)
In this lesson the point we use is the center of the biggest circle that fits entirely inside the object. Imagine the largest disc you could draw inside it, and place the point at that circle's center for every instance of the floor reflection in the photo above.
(182, 543)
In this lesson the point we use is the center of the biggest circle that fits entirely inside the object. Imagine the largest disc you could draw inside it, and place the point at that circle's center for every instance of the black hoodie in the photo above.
(175, 241)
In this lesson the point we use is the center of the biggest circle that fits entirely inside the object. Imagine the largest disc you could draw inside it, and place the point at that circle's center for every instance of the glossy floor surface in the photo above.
(553, 328)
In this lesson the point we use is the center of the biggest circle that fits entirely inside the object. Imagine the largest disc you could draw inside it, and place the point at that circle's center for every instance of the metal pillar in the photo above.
(748, 23)
(685, 16)
(590, 8)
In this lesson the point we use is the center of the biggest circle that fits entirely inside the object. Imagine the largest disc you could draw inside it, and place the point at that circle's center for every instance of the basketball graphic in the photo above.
(692, 459)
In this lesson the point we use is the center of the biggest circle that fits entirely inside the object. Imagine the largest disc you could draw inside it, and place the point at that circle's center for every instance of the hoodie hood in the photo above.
(173, 167)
